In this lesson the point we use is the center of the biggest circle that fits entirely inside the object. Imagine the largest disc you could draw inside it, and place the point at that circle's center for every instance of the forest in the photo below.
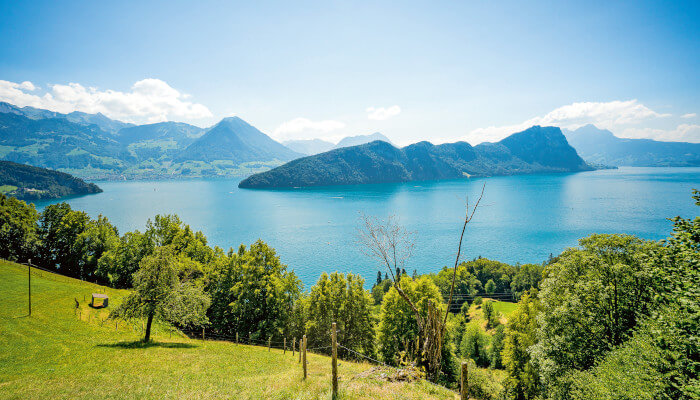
(616, 317)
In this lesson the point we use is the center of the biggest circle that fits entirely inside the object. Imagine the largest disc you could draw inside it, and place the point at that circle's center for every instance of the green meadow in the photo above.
(66, 352)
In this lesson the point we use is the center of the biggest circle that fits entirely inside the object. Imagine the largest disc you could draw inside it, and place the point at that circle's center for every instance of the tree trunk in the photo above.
(148, 328)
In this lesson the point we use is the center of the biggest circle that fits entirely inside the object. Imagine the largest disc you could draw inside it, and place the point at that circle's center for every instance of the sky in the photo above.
(440, 71)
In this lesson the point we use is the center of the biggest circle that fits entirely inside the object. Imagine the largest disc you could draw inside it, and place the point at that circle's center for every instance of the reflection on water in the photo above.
(521, 219)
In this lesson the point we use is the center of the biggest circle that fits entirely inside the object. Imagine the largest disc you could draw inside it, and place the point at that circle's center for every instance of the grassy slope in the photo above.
(60, 353)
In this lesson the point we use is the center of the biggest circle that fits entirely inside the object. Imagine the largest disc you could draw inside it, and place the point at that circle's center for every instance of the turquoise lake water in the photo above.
(521, 218)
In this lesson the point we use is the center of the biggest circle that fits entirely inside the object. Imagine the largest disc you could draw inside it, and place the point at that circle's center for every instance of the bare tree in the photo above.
(391, 244)
(468, 217)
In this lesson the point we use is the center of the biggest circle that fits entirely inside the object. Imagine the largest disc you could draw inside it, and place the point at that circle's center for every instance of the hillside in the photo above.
(600, 146)
(30, 183)
(535, 150)
(57, 143)
(61, 352)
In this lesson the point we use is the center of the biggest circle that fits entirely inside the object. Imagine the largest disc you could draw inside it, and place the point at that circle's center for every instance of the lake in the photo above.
(522, 219)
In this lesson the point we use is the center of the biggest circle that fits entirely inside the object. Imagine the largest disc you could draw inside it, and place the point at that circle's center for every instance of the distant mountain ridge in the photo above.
(601, 146)
(309, 146)
(315, 146)
(106, 124)
(361, 139)
(32, 183)
(94, 146)
(535, 150)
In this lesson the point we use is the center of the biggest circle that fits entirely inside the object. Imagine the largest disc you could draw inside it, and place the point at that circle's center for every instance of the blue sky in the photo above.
(438, 71)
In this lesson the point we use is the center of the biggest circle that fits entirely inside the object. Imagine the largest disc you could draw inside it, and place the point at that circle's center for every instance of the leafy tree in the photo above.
(475, 345)
(159, 294)
(380, 290)
(398, 330)
(18, 229)
(118, 264)
(497, 342)
(59, 229)
(523, 380)
(98, 237)
(341, 299)
(527, 277)
(466, 284)
(489, 314)
(591, 300)
(490, 286)
(259, 291)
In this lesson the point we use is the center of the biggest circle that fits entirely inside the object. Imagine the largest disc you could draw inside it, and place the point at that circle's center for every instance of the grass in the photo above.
(60, 352)
(4, 189)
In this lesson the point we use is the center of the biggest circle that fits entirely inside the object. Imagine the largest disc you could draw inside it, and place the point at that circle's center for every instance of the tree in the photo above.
(99, 237)
(490, 287)
(489, 314)
(527, 277)
(523, 382)
(497, 342)
(259, 290)
(18, 229)
(118, 264)
(591, 300)
(398, 329)
(341, 299)
(474, 345)
(159, 294)
(59, 229)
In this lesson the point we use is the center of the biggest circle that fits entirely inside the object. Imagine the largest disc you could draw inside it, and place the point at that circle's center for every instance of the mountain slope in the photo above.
(99, 119)
(309, 147)
(235, 140)
(64, 352)
(535, 150)
(27, 182)
(183, 134)
(601, 146)
(361, 139)
(59, 144)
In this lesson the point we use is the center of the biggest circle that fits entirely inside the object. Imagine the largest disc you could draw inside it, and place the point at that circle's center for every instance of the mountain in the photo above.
(59, 144)
(361, 139)
(309, 147)
(95, 147)
(235, 140)
(181, 133)
(601, 146)
(535, 150)
(31, 183)
(99, 119)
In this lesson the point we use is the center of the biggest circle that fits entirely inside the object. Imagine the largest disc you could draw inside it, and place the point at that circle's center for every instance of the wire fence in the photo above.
(295, 345)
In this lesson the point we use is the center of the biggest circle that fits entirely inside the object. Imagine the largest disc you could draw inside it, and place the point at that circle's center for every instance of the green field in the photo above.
(60, 352)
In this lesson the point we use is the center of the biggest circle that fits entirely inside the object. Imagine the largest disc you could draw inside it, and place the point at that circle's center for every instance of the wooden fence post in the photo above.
(249, 337)
(301, 344)
(285, 345)
(464, 384)
(294, 342)
(334, 360)
(236, 337)
(304, 357)
(268, 343)
(202, 333)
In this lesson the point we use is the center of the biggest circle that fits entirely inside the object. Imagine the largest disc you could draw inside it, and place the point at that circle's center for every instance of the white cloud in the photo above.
(382, 113)
(612, 115)
(689, 115)
(150, 100)
(304, 128)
